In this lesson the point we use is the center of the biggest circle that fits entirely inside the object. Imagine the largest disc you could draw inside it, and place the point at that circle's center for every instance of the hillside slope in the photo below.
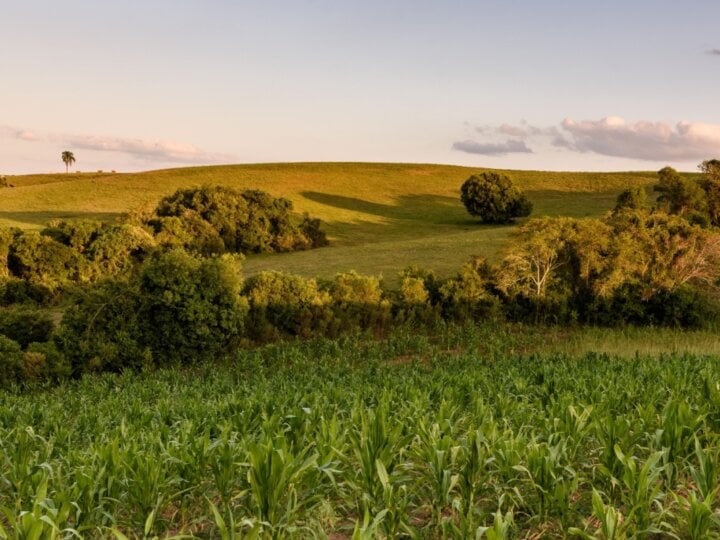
(380, 217)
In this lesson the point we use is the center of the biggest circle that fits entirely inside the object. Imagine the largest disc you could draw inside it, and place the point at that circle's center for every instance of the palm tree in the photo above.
(68, 159)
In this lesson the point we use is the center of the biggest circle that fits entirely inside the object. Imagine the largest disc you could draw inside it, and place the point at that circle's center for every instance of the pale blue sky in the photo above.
(136, 85)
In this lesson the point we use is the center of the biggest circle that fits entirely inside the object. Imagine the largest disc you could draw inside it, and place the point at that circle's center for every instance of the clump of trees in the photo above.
(36, 265)
(178, 309)
(218, 219)
(696, 199)
(493, 198)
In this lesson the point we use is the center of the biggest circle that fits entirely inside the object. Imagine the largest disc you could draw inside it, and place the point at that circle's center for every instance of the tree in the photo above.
(534, 259)
(68, 159)
(191, 309)
(633, 198)
(217, 219)
(679, 195)
(662, 252)
(494, 199)
(711, 169)
(711, 184)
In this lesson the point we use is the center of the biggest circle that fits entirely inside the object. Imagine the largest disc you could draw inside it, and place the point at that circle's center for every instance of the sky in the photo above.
(519, 84)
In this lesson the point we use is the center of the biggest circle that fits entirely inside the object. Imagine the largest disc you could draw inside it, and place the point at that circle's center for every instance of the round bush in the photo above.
(494, 199)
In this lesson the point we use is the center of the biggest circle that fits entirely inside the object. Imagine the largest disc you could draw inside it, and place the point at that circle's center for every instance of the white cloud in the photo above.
(714, 52)
(492, 149)
(610, 136)
(145, 149)
(653, 141)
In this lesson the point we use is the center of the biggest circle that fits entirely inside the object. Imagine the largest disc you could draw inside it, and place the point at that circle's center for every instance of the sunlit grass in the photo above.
(380, 217)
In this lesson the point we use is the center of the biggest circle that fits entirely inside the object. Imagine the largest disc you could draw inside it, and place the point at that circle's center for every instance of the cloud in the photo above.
(654, 141)
(492, 149)
(153, 150)
(610, 136)
(714, 52)
(512, 131)
(17, 133)
(144, 149)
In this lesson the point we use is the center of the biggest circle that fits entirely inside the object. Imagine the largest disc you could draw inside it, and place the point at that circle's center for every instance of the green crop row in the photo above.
(360, 439)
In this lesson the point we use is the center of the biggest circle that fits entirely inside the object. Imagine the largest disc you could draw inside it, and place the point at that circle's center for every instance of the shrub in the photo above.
(494, 199)
(11, 362)
(77, 234)
(190, 308)
(19, 291)
(358, 302)
(285, 305)
(468, 295)
(117, 250)
(220, 219)
(108, 249)
(310, 228)
(100, 330)
(679, 195)
(6, 239)
(44, 261)
(44, 362)
(415, 301)
(683, 307)
(25, 325)
(634, 198)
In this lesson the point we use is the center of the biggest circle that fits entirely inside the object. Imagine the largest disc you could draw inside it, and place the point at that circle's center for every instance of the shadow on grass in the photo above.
(40, 219)
(409, 216)
(440, 209)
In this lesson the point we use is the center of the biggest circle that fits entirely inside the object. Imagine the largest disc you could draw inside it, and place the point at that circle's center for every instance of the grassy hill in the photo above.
(380, 217)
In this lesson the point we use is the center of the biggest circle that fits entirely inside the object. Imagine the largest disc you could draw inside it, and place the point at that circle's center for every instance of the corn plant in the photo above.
(501, 528)
(376, 438)
(705, 474)
(642, 491)
(43, 519)
(613, 526)
(436, 454)
(550, 476)
(280, 483)
(695, 517)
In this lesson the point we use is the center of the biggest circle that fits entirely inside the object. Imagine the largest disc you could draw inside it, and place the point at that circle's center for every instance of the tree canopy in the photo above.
(68, 159)
(218, 219)
(493, 198)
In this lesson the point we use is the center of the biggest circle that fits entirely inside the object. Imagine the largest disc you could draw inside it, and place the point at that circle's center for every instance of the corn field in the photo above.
(357, 439)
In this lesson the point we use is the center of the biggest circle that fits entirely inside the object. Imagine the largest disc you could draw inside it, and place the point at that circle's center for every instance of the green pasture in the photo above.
(380, 217)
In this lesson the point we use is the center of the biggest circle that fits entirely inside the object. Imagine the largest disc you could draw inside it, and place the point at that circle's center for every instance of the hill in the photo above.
(380, 217)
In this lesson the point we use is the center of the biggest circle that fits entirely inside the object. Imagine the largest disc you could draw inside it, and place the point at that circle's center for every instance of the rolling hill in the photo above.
(379, 217)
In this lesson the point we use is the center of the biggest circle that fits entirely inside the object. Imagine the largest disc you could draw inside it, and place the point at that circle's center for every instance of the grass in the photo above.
(380, 217)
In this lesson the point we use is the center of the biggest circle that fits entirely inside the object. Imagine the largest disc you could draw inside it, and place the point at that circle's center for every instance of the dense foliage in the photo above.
(699, 200)
(493, 198)
(178, 309)
(218, 219)
(361, 439)
(207, 221)
(144, 305)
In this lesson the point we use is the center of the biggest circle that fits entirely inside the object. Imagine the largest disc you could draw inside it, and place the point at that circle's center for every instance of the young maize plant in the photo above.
(613, 525)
